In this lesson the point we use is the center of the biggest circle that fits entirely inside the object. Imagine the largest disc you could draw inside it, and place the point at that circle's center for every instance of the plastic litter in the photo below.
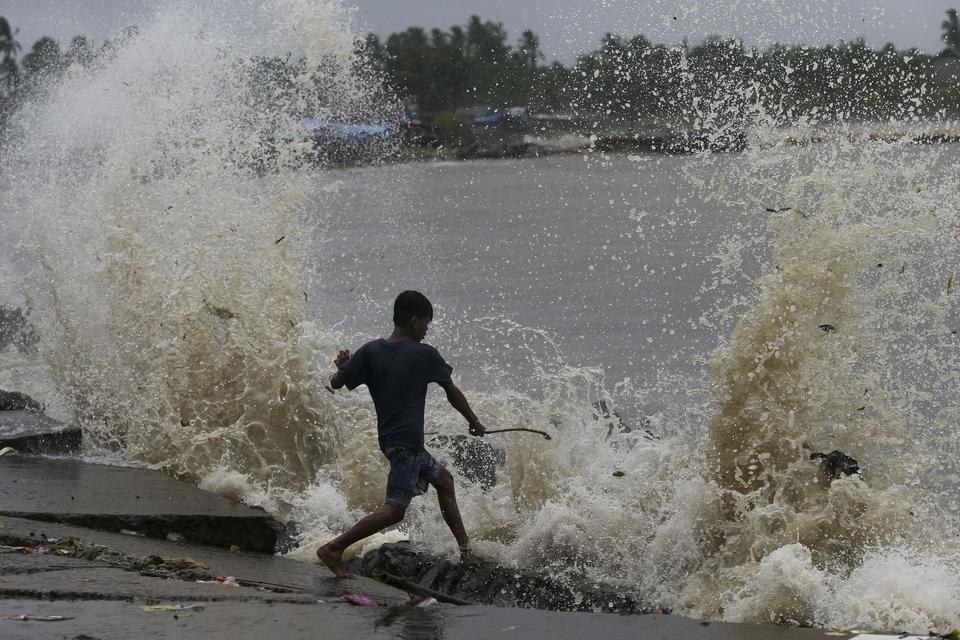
(230, 580)
(358, 600)
(423, 604)
(154, 608)
(29, 618)
(7, 450)
(5, 549)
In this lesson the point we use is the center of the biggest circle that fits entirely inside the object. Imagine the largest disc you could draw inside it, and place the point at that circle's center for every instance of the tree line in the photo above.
(21, 80)
(632, 78)
(626, 79)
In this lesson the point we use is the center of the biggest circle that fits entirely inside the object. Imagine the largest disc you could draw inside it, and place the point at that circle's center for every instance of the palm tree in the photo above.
(8, 54)
(951, 30)
(529, 49)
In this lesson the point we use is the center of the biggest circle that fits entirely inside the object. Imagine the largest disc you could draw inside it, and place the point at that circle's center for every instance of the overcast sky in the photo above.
(566, 27)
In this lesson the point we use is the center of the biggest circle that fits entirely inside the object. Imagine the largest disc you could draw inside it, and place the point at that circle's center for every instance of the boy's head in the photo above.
(413, 312)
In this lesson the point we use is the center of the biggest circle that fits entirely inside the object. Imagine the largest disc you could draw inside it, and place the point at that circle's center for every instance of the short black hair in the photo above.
(409, 304)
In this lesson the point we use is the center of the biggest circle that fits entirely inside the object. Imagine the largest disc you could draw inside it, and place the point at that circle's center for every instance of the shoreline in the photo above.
(77, 582)
(65, 550)
(671, 141)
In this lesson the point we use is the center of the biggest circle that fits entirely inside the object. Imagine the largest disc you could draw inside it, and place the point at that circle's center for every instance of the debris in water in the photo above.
(358, 600)
(618, 474)
(221, 312)
(827, 328)
(950, 284)
(836, 463)
(279, 240)
(7, 451)
(155, 608)
(781, 210)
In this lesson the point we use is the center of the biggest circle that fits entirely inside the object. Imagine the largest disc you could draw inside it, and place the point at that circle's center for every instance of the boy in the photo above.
(397, 371)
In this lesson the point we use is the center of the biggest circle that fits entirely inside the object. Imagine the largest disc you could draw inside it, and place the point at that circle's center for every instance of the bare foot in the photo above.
(334, 561)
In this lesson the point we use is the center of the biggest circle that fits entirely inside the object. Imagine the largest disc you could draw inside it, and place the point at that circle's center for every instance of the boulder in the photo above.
(29, 432)
(16, 401)
(486, 583)
(140, 501)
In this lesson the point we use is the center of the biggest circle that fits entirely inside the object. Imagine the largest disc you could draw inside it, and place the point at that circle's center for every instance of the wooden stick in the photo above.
(543, 433)
(419, 590)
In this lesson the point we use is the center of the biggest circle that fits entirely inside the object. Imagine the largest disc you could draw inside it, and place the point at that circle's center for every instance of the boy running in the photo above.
(397, 371)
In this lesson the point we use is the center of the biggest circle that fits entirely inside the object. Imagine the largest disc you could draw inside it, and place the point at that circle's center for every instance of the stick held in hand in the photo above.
(543, 433)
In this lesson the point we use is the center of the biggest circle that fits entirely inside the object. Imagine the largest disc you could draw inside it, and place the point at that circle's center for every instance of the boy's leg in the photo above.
(447, 497)
(331, 554)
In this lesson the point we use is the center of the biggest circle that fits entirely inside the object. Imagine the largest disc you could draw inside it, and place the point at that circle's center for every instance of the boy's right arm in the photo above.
(459, 402)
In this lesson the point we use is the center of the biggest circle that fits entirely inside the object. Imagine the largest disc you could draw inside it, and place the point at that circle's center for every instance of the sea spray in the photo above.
(163, 217)
(169, 280)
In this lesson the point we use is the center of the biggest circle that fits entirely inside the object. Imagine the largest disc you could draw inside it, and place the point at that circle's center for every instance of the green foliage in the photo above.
(715, 83)
(452, 129)
(43, 65)
(951, 30)
(9, 73)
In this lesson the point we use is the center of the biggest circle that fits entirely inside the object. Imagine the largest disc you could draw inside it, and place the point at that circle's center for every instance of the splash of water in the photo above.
(169, 283)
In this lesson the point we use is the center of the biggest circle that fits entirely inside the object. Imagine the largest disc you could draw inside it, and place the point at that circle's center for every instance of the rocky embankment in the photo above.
(485, 583)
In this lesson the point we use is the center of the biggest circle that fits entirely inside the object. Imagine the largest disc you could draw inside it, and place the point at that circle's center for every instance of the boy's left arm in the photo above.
(459, 402)
(336, 380)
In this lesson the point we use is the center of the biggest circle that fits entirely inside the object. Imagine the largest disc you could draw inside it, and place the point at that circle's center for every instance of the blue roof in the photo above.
(357, 131)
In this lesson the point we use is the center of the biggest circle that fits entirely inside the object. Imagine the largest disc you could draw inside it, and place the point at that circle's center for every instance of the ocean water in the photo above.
(189, 308)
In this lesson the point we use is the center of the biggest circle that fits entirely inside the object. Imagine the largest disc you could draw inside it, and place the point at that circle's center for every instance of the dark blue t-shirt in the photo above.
(397, 374)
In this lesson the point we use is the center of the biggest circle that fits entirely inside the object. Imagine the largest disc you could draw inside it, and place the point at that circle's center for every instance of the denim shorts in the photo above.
(410, 474)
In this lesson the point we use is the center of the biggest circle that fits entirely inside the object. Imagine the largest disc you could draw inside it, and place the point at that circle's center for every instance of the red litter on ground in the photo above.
(360, 601)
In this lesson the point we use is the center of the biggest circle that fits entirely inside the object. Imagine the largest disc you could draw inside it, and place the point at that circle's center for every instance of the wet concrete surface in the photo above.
(103, 599)
(127, 498)
(30, 432)
(98, 580)
(248, 567)
(45, 577)
(334, 620)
